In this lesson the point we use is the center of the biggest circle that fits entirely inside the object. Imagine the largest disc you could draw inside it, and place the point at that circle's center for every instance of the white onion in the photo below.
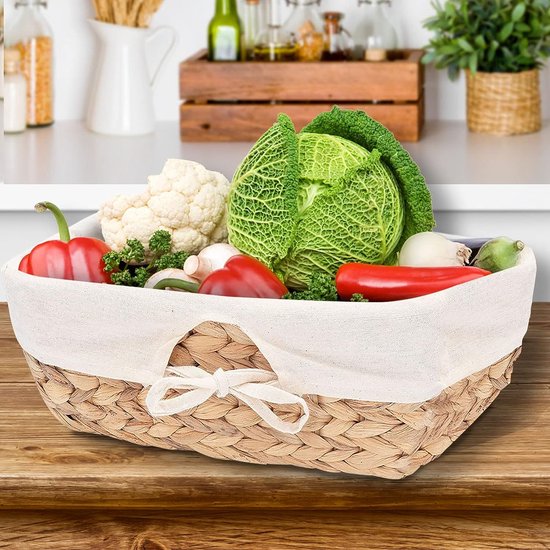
(433, 250)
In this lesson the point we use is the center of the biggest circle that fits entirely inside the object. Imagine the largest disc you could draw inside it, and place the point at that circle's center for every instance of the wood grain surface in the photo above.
(239, 101)
(257, 530)
(65, 490)
(247, 122)
(400, 80)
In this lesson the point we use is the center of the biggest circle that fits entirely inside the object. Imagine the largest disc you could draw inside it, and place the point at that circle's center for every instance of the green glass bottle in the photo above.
(224, 32)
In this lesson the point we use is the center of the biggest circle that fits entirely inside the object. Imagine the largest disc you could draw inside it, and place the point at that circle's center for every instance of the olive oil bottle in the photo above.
(225, 32)
(274, 43)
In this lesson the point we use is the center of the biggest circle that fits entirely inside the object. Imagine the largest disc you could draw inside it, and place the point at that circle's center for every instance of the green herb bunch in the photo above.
(128, 267)
(489, 35)
(321, 288)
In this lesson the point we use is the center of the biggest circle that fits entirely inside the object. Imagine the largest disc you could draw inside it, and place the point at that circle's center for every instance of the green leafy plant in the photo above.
(342, 190)
(489, 35)
(128, 267)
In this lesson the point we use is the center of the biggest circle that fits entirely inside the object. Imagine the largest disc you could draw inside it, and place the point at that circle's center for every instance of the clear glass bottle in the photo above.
(306, 28)
(378, 35)
(338, 44)
(225, 32)
(274, 43)
(15, 93)
(1, 48)
(31, 34)
(252, 20)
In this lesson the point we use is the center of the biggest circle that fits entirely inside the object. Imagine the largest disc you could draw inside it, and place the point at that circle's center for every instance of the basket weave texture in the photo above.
(388, 440)
(504, 103)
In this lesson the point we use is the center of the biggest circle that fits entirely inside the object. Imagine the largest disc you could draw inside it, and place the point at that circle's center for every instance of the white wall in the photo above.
(75, 52)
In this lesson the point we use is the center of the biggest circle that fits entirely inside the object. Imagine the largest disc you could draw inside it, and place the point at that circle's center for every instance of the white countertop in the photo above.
(465, 171)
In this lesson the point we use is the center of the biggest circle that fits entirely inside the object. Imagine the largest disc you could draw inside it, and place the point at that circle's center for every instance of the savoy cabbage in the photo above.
(342, 190)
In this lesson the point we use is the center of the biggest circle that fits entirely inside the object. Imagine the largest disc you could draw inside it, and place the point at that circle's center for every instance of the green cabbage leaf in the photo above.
(263, 200)
(343, 190)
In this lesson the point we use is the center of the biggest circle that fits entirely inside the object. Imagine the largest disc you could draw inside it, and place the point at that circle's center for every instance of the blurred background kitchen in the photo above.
(83, 147)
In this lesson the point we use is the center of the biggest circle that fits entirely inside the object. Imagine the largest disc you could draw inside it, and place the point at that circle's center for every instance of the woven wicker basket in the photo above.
(504, 103)
(388, 440)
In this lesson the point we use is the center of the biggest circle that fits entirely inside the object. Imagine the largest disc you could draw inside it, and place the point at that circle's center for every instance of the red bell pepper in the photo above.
(381, 283)
(78, 259)
(242, 276)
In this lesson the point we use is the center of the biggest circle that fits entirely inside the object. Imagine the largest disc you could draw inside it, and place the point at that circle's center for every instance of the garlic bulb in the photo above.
(433, 250)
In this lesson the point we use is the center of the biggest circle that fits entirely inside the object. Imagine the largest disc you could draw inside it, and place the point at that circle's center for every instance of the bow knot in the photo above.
(222, 383)
(254, 387)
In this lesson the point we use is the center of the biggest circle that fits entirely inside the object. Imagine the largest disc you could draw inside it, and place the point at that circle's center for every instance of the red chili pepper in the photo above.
(380, 283)
(242, 276)
(78, 259)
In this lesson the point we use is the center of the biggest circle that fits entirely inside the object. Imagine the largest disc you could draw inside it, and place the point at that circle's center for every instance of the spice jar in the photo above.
(338, 44)
(305, 26)
(30, 33)
(15, 93)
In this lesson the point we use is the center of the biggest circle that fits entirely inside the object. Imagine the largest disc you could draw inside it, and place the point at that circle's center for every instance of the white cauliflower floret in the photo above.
(186, 199)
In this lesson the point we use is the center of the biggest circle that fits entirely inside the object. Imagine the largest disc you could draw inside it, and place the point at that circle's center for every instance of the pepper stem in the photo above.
(62, 226)
(177, 283)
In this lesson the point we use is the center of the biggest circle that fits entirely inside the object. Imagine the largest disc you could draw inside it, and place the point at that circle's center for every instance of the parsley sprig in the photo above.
(129, 268)
(321, 288)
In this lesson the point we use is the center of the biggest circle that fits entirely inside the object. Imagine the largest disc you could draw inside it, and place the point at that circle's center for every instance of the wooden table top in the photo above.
(502, 462)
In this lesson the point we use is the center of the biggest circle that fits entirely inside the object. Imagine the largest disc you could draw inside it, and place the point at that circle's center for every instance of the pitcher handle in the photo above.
(171, 46)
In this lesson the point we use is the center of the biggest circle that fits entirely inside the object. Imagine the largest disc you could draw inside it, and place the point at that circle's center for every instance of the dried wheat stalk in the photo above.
(131, 13)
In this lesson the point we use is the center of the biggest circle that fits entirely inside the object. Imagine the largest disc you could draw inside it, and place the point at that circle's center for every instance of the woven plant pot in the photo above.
(388, 440)
(504, 103)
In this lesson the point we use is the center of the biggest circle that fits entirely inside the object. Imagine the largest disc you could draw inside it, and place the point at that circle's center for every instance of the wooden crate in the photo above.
(239, 101)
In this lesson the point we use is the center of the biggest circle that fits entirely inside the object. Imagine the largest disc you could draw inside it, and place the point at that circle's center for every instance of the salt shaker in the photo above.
(15, 93)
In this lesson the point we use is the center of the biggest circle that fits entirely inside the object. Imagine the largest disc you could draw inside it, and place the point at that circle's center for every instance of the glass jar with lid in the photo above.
(338, 44)
(274, 43)
(379, 34)
(31, 34)
(306, 28)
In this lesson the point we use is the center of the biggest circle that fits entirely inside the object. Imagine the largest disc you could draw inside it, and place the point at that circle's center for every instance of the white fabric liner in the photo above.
(406, 351)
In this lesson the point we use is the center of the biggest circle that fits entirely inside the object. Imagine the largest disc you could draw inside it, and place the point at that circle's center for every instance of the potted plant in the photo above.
(501, 45)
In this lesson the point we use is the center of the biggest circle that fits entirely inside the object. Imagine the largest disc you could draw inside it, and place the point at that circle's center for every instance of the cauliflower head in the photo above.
(186, 199)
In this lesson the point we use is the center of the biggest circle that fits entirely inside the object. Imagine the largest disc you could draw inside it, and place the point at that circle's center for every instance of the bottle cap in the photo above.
(12, 60)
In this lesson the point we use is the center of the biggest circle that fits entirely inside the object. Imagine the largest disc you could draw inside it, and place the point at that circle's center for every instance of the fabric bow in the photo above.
(254, 387)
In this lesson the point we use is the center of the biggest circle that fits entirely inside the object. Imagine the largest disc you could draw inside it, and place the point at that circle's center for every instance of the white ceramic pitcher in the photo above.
(121, 101)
